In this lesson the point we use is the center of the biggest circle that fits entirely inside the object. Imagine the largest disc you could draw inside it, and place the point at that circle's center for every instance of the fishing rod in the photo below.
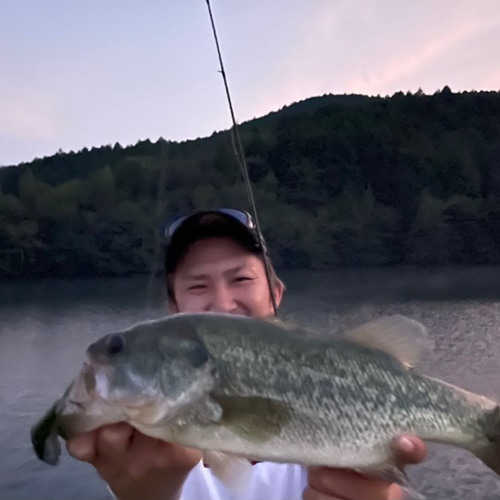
(240, 156)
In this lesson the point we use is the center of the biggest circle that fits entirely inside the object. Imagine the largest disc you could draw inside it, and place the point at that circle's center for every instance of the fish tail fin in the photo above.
(490, 454)
(44, 438)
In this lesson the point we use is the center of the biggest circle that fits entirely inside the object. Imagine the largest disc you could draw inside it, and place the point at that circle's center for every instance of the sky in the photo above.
(85, 74)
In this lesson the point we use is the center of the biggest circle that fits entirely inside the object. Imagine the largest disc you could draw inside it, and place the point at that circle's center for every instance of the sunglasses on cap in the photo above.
(173, 223)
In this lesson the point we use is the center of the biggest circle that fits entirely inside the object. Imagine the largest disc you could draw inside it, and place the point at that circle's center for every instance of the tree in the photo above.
(338, 180)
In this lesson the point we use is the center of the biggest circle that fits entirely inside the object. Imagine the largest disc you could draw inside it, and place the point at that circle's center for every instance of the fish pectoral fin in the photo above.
(394, 474)
(205, 413)
(402, 338)
(253, 418)
(233, 471)
(210, 411)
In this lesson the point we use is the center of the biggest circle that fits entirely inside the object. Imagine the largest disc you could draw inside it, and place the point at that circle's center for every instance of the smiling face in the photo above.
(220, 275)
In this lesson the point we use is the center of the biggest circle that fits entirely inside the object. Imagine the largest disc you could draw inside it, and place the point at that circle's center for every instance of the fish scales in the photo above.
(330, 387)
(266, 391)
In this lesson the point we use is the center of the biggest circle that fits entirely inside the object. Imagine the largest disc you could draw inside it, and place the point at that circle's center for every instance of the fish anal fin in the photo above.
(394, 474)
(402, 338)
(233, 471)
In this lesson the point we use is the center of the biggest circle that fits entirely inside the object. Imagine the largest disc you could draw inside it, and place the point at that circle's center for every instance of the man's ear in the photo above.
(172, 306)
(278, 290)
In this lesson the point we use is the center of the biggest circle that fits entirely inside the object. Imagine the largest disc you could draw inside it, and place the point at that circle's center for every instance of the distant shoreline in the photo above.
(339, 183)
(384, 284)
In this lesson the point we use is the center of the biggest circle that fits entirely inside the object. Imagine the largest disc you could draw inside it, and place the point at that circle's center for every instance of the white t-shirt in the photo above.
(269, 481)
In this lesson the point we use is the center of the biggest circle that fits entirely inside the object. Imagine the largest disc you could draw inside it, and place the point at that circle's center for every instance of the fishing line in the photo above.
(240, 156)
(159, 214)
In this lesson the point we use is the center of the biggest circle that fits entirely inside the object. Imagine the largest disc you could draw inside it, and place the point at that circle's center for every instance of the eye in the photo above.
(242, 279)
(114, 345)
(197, 288)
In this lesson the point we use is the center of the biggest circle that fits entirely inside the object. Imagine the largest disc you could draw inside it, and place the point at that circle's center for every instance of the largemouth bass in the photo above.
(244, 389)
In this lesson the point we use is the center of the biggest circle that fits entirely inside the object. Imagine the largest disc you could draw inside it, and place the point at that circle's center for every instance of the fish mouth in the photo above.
(93, 381)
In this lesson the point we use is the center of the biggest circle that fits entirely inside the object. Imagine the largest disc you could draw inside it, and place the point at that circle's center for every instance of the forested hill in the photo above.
(339, 181)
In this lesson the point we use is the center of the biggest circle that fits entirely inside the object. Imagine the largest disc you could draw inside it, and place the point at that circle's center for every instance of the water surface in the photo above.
(45, 328)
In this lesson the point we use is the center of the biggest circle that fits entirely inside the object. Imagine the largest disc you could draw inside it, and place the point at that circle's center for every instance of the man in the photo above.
(214, 263)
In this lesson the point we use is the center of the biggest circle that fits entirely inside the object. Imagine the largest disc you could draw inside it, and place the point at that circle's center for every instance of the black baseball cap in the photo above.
(182, 230)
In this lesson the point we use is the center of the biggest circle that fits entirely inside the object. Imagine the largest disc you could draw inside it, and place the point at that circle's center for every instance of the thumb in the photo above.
(409, 449)
(83, 447)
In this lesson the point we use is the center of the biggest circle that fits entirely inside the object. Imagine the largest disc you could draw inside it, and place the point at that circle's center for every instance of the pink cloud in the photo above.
(27, 117)
(409, 64)
(490, 81)
(380, 47)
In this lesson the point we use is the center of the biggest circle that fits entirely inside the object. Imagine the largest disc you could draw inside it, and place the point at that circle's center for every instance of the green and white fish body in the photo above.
(246, 389)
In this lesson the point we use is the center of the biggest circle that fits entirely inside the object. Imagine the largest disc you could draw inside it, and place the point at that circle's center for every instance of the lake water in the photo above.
(45, 328)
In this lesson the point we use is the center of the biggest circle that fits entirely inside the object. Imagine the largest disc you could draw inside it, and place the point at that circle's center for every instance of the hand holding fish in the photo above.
(245, 390)
(134, 465)
(332, 484)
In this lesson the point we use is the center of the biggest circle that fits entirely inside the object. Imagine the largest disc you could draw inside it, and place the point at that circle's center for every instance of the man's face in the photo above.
(219, 275)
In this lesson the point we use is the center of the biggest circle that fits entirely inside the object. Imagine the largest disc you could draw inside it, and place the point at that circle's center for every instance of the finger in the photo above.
(113, 442)
(312, 494)
(396, 493)
(83, 447)
(170, 454)
(409, 449)
(146, 453)
(348, 484)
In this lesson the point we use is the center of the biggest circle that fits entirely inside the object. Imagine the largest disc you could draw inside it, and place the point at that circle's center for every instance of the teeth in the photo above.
(81, 391)
(102, 383)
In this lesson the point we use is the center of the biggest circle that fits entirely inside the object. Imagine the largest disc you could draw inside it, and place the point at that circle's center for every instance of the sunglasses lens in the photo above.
(239, 215)
(174, 225)
(174, 222)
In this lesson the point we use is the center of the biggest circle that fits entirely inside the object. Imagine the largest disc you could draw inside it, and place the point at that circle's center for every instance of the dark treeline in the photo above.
(339, 181)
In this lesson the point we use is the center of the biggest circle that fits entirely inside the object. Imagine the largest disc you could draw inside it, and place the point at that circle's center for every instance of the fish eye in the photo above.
(114, 345)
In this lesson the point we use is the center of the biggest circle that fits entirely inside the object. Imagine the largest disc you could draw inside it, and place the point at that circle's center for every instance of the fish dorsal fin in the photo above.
(285, 325)
(402, 338)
